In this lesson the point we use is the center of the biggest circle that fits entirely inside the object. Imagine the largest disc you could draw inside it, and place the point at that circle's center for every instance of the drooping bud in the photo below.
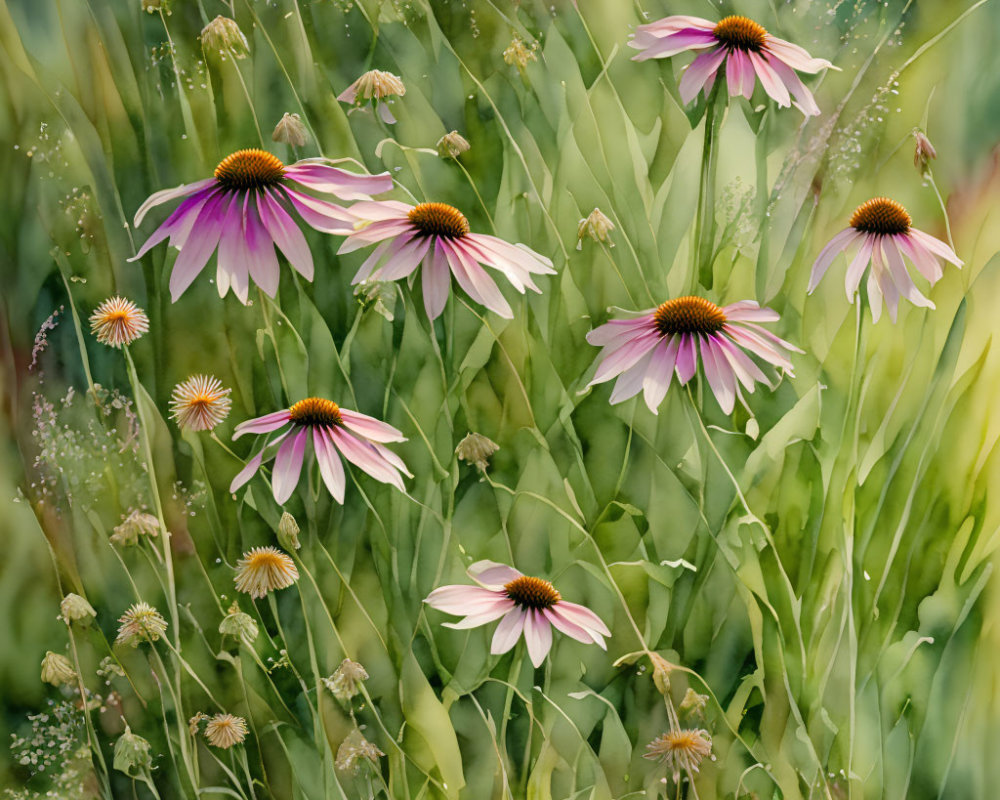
(597, 226)
(661, 673)
(239, 624)
(223, 36)
(74, 608)
(923, 151)
(476, 449)
(345, 681)
(290, 130)
(57, 669)
(288, 532)
(136, 524)
(353, 750)
(452, 145)
(693, 703)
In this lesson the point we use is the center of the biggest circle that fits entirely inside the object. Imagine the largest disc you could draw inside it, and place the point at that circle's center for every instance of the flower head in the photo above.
(239, 624)
(223, 36)
(881, 234)
(141, 623)
(333, 432)
(263, 570)
(646, 351)
(452, 145)
(288, 531)
(346, 679)
(597, 226)
(199, 403)
(225, 730)
(137, 523)
(377, 86)
(117, 322)
(57, 669)
(439, 236)
(353, 751)
(247, 208)
(517, 54)
(682, 750)
(745, 49)
(923, 151)
(74, 608)
(527, 605)
(290, 130)
(476, 449)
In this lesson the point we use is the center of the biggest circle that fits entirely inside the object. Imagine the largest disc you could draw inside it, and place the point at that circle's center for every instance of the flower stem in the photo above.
(704, 223)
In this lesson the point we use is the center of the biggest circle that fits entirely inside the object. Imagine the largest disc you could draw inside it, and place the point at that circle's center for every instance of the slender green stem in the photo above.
(704, 222)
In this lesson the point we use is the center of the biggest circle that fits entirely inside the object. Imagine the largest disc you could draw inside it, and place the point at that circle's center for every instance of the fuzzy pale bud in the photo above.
(222, 35)
(290, 130)
(57, 669)
(74, 608)
(239, 624)
(597, 226)
(476, 449)
(345, 682)
(923, 151)
(288, 532)
(452, 145)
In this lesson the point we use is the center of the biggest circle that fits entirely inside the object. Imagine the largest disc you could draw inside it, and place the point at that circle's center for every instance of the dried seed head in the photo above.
(263, 570)
(117, 322)
(290, 130)
(376, 85)
(74, 608)
(682, 750)
(141, 623)
(57, 669)
(288, 532)
(225, 730)
(136, 524)
(476, 449)
(452, 145)
(239, 624)
(345, 681)
(353, 751)
(740, 33)
(518, 54)
(222, 35)
(595, 225)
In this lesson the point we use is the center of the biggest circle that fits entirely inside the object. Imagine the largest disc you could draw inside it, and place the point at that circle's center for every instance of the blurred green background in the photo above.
(849, 638)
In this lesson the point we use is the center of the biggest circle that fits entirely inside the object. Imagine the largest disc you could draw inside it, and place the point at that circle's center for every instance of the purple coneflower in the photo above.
(357, 437)
(882, 232)
(531, 606)
(244, 211)
(645, 351)
(439, 236)
(745, 47)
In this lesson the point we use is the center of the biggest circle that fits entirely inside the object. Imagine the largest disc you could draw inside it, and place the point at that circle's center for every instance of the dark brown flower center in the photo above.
(689, 315)
(439, 219)
(881, 215)
(740, 33)
(532, 592)
(249, 169)
(315, 411)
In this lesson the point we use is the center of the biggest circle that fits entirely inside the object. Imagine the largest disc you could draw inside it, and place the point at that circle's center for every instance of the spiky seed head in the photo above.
(263, 570)
(353, 751)
(225, 730)
(141, 623)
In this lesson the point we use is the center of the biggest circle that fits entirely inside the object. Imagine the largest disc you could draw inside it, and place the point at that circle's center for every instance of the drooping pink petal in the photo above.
(348, 95)
(332, 180)
(492, 574)
(739, 74)
(619, 328)
(852, 278)
(319, 214)
(806, 102)
(583, 616)
(382, 109)
(874, 292)
(629, 382)
(687, 358)
(936, 246)
(618, 361)
(436, 280)
(564, 625)
(380, 210)
(508, 631)
(370, 428)
(403, 257)
(364, 456)
(232, 255)
(499, 608)
(900, 277)
(287, 466)
(769, 79)
(758, 345)
(285, 234)
(659, 374)
(742, 365)
(537, 635)
(719, 375)
(179, 222)
(199, 246)
(674, 23)
(834, 247)
(795, 56)
(749, 310)
(672, 44)
(700, 73)
(368, 265)
(262, 261)
(474, 280)
(330, 468)
(922, 258)
(247, 472)
(391, 458)
(462, 600)
(167, 195)
(265, 424)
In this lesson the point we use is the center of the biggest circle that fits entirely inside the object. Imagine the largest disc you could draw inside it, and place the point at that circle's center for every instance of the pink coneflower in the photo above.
(882, 232)
(244, 210)
(645, 351)
(439, 236)
(117, 322)
(357, 437)
(528, 605)
(746, 49)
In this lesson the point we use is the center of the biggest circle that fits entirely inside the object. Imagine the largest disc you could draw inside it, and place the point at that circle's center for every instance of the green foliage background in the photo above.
(838, 604)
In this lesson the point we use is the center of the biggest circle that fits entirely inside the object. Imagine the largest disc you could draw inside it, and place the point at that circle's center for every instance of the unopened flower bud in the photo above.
(476, 449)
(452, 145)
(222, 35)
(693, 703)
(597, 226)
(57, 669)
(136, 524)
(288, 532)
(923, 151)
(239, 624)
(290, 130)
(345, 681)
(132, 754)
(661, 673)
(74, 608)
(352, 750)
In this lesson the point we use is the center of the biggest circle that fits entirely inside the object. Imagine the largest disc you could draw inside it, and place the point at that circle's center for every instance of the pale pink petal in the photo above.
(769, 79)
(330, 468)
(262, 261)
(564, 625)
(673, 23)
(391, 457)
(749, 310)
(265, 424)
(178, 224)
(247, 472)
(687, 358)
(742, 365)
(348, 95)
(936, 246)
(287, 466)
(614, 362)
(382, 109)
(794, 56)
(286, 234)
(700, 73)
(462, 600)
(508, 631)
(167, 195)
(365, 457)
(900, 277)
(922, 258)
(499, 607)
(319, 214)
(666, 46)
(615, 329)
(345, 185)
(806, 102)
(833, 248)
(874, 292)
(629, 383)
(232, 258)
(370, 428)
(719, 375)
(659, 373)
(584, 618)
(492, 574)
(401, 260)
(380, 210)
(759, 346)
(852, 278)
(537, 635)
(369, 264)
(739, 74)
(474, 280)
(199, 246)
(436, 280)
